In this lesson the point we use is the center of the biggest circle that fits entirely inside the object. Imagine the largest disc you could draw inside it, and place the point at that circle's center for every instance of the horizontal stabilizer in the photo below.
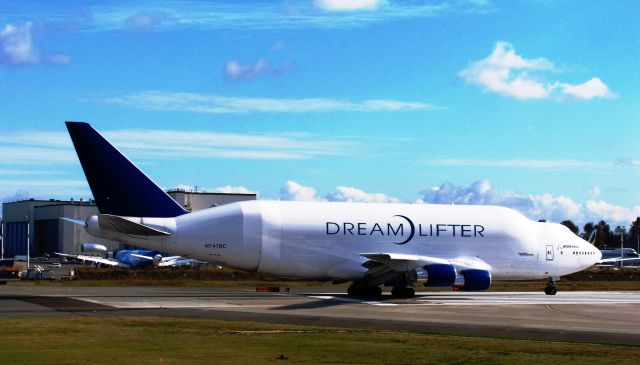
(123, 225)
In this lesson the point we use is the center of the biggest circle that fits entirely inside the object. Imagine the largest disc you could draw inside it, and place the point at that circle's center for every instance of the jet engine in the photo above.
(93, 247)
(439, 275)
(475, 280)
(157, 259)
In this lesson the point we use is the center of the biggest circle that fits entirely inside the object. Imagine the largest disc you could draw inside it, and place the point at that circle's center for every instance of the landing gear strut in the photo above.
(364, 291)
(550, 289)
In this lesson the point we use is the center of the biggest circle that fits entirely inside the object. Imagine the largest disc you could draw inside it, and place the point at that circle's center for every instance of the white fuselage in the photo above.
(318, 240)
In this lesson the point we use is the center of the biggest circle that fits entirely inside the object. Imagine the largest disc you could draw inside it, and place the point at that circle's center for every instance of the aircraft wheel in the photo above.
(353, 291)
(550, 290)
(401, 292)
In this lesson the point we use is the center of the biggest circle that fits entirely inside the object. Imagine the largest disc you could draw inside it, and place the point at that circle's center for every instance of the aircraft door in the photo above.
(549, 252)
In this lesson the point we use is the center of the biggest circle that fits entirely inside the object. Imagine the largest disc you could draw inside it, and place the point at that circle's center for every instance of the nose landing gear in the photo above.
(550, 289)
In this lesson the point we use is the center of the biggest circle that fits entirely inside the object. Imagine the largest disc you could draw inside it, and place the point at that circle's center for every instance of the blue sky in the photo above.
(529, 104)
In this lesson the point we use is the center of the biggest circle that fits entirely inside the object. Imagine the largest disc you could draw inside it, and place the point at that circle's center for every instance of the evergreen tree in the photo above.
(603, 235)
(588, 228)
(572, 226)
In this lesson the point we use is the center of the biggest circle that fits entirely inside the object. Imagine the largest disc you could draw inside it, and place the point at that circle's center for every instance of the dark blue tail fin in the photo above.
(118, 186)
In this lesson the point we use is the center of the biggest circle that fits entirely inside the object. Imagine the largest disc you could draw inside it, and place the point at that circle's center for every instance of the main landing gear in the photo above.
(403, 292)
(550, 289)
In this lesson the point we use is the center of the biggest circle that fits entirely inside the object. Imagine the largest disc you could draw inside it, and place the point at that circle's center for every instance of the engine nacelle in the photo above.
(93, 247)
(476, 280)
(440, 275)
(157, 259)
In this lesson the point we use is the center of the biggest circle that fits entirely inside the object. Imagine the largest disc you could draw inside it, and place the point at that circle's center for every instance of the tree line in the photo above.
(605, 236)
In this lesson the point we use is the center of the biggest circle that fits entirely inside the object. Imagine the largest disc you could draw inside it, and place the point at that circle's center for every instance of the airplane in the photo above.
(616, 257)
(369, 244)
(130, 258)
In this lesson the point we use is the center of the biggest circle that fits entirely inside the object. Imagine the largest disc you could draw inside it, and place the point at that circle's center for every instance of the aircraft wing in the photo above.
(168, 261)
(404, 262)
(384, 265)
(615, 260)
(98, 260)
(164, 259)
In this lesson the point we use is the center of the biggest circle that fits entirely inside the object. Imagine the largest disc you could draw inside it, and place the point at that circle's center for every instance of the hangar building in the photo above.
(36, 223)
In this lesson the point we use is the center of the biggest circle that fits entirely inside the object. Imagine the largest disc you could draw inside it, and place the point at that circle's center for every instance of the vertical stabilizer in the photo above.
(118, 186)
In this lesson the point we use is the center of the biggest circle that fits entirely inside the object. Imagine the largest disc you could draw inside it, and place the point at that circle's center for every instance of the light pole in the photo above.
(28, 253)
(622, 247)
(3, 228)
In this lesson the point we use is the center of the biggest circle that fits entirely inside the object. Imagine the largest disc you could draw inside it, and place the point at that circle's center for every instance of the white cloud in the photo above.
(214, 104)
(32, 155)
(235, 70)
(294, 191)
(55, 148)
(216, 15)
(44, 188)
(506, 73)
(546, 206)
(348, 5)
(613, 214)
(351, 194)
(593, 88)
(522, 163)
(550, 207)
(17, 48)
(228, 189)
(146, 20)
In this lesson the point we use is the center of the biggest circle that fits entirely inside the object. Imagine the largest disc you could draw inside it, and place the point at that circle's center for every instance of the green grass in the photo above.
(147, 340)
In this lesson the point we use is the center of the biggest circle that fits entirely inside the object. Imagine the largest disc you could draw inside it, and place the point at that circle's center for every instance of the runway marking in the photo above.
(430, 299)
(353, 300)
(492, 298)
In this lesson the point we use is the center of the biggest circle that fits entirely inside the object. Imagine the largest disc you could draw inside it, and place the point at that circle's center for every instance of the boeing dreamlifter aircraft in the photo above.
(371, 244)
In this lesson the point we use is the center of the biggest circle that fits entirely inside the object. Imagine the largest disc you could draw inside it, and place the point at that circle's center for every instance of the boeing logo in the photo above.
(406, 230)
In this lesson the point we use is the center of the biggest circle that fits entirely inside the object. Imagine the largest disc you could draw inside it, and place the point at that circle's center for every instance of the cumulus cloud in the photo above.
(17, 48)
(506, 73)
(611, 213)
(294, 191)
(228, 189)
(146, 20)
(348, 5)
(553, 208)
(351, 194)
(593, 88)
(546, 206)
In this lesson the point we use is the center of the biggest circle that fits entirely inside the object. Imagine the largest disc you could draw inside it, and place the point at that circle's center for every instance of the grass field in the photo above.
(146, 340)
